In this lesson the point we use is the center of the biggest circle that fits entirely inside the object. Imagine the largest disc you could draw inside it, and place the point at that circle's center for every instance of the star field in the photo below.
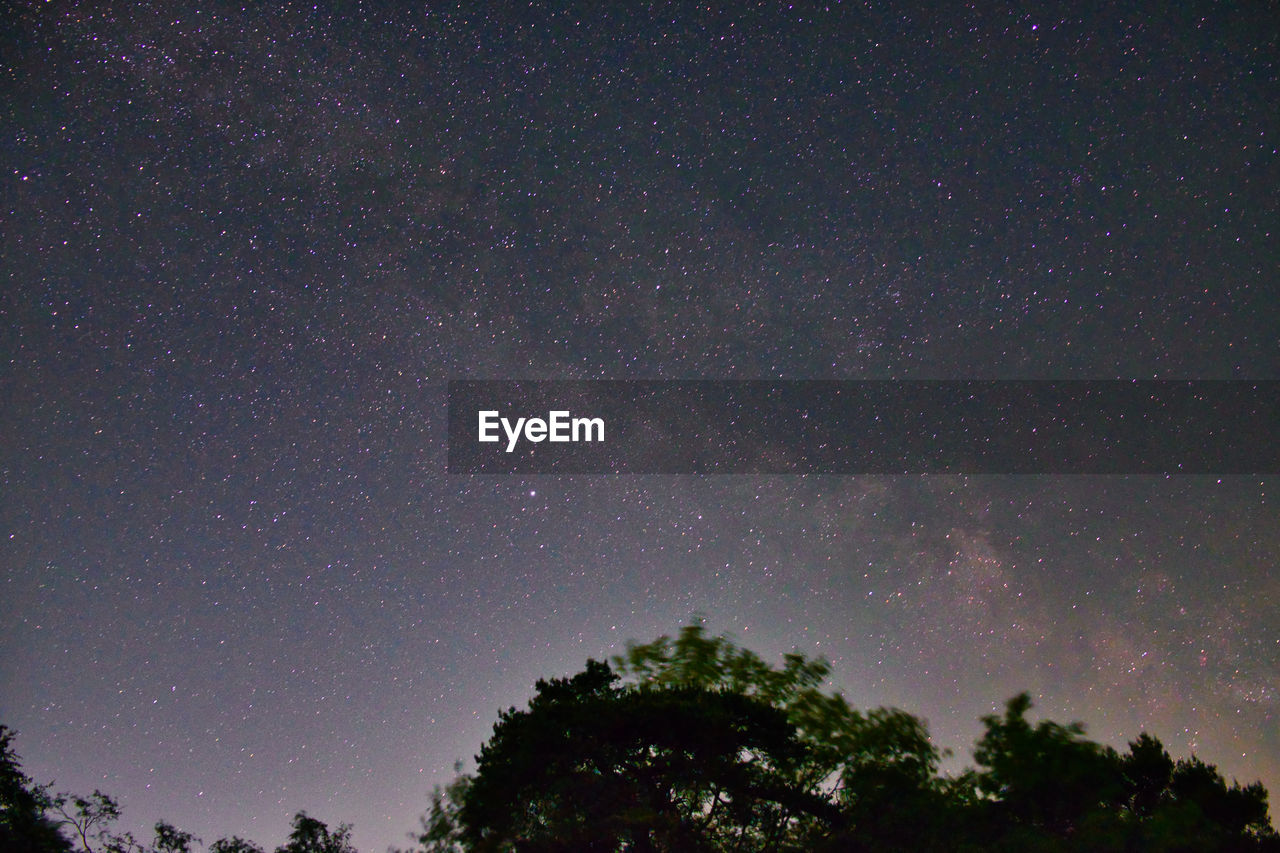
(245, 249)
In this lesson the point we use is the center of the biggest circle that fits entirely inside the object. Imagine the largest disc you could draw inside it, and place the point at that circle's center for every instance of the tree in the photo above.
(441, 826)
(90, 819)
(692, 744)
(695, 744)
(1047, 787)
(234, 844)
(880, 766)
(314, 836)
(1047, 776)
(591, 765)
(1188, 805)
(170, 839)
(1146, 773)
(24, 826)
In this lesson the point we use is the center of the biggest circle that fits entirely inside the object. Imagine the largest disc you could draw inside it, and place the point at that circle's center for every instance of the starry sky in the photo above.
(245, 247)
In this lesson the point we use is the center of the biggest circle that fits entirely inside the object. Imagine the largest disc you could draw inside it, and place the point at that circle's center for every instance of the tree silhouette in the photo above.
(234, 844)
(90, 820)
(1048, 775)
(591, 765)
(1048, 783)
(442, 824)
(695, 744)
(170, 839)
(314, 836)
(1146, 773)
(24, 826)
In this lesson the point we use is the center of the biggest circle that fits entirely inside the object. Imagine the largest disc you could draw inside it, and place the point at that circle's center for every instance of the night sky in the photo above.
(244, 250)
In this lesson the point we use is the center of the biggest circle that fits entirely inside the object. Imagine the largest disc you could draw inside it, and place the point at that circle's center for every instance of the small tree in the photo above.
(234, 844)
(90, 819)
(314, 836)
(170, 839)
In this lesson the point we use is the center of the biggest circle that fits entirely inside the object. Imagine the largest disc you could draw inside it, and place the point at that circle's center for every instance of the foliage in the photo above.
(234, 844)
(593, 765)
(695, 744)
(441, 826)
(1048, 783)
(24, 826)
(90, 819)
(170, 839)
(313, 836)
(841, 741)
(1048, 775)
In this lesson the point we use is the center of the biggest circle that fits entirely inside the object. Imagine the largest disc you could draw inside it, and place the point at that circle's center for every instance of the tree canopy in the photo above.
(25, 826)
(695, 744)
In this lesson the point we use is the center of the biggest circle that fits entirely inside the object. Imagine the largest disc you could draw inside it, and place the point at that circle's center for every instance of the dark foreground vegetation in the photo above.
(694, 744)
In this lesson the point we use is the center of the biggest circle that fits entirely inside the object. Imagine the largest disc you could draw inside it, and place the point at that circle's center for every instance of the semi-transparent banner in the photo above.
(864, 427)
